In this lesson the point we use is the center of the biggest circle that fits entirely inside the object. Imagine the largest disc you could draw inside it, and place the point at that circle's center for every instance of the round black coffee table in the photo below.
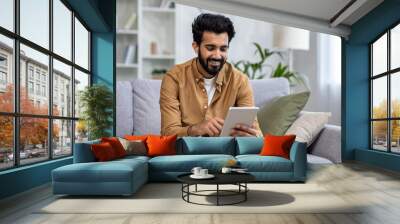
(238, 179)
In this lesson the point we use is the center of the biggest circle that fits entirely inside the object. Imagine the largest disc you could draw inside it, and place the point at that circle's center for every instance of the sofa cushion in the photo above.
(257, 163)
(249, 145)
(112, 171)
(185, 163)
(83, 152)
(277, 145)
(207, 145)
(103, 152)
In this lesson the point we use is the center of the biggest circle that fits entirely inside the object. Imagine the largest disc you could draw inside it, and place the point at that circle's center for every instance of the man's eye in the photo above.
(210, 48)
(224, 49)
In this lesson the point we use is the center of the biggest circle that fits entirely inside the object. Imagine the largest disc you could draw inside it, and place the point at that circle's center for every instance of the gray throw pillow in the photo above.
(134, 147)
(276, 117)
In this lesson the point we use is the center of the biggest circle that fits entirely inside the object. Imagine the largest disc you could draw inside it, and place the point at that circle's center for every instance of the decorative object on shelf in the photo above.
(255, 70)
(165, 4)
(97, 104)
(153, 48)
(130, 54)
(130, 22)
(158, 73)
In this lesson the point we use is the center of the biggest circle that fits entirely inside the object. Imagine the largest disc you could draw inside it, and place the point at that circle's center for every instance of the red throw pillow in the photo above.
(116, 145)
(103, 151)
(277, 145)
(161, 145)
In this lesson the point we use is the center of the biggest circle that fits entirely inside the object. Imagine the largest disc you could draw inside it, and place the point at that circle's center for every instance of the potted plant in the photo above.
(96, 102)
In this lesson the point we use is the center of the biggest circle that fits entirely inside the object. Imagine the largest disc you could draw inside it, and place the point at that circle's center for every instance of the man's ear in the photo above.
(195, 47)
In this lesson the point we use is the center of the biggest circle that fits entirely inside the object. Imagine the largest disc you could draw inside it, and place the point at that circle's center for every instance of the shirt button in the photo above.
(205, 107)
(204, 90)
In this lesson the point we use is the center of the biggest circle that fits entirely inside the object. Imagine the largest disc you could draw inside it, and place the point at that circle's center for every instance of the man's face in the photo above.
(212, 51)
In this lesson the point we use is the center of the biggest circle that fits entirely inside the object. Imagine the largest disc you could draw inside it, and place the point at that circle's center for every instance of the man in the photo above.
(195, 96)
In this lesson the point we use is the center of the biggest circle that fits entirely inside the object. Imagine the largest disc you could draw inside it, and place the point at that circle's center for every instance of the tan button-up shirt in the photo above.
(184, 101)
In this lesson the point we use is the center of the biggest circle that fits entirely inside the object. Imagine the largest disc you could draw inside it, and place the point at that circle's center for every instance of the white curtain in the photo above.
(329, 76)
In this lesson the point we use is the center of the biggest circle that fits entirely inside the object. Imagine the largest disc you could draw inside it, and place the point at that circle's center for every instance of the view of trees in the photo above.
(380, 127)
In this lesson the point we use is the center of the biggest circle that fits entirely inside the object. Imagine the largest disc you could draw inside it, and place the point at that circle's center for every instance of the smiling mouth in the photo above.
(215, 63)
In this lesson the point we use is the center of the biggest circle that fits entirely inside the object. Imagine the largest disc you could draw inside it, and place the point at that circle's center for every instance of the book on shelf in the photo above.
(130, 54)
(130, 22)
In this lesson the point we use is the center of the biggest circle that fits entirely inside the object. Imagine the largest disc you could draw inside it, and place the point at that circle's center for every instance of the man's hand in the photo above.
(212, 127)
(241, 130)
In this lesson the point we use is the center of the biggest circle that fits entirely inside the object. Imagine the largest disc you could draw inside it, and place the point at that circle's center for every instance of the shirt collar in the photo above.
(200, 72)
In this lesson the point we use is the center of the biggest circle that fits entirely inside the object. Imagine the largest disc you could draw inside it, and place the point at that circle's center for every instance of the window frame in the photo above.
(16, 114)
(388, 74)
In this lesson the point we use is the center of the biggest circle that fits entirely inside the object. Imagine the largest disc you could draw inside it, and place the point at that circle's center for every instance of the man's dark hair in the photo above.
(211, 23)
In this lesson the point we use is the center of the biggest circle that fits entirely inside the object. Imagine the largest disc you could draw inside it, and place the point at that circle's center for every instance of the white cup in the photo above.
(203, 172)
(226, 170)
(196, 170)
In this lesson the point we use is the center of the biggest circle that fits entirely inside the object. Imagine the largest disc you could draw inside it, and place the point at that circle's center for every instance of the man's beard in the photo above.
(209, 67)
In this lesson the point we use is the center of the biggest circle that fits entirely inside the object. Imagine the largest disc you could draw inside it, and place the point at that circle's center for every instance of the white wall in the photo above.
(313, 63)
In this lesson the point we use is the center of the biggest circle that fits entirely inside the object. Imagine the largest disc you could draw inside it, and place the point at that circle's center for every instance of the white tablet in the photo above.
(238, 115)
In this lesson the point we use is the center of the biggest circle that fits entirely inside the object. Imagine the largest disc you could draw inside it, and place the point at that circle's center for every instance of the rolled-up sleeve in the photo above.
(171, 121)
(245, 98)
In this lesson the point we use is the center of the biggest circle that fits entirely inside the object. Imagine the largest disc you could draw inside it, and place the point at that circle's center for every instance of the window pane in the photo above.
(62, 138)
(34, 72)
(81, 131)
(62, 29)
(81, 45)
(395, 136)
(35, 21)
(395, 94)
(379, 55)
(81, 81)
(379, 135)
(379, 97)
(6, 142)
(62, 89)
(395, 47)
(6, 74)
(7, 14)
(33, 139)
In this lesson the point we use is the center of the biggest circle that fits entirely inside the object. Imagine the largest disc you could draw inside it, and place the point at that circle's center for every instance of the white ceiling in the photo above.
(314, 15)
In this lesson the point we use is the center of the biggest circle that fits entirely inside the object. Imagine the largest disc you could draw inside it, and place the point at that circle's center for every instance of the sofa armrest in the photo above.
(298, 155)
(328, 144)
(83, 152)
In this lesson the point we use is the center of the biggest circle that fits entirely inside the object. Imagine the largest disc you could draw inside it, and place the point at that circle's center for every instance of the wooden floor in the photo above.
(378, 188)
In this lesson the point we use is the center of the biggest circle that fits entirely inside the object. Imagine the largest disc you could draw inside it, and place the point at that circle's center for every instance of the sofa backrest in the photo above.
(138, 108)
(206, 145)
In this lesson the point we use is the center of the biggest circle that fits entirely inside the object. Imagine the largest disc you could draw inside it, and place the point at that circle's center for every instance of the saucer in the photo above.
(208, 176)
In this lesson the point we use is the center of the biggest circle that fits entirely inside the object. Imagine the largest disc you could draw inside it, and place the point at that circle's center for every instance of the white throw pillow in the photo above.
(308, 125)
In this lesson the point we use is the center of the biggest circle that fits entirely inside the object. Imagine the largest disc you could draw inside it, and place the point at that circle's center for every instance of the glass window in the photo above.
(81, 45)
(81, 131)
(62, 138)
(379, 56)
(379, 98)
(62, 72)
(379, 135)
(7, 14)
(6, 142)
(30, 87)
(35, 21)
(33, 140)
(395, 138)
(6, 73)
(62, 29)
(395, 47)
(81, 81)
(40, 62)
(395, 95)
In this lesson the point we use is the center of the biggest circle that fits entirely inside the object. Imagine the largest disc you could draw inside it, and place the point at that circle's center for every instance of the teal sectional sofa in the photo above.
(125, 176)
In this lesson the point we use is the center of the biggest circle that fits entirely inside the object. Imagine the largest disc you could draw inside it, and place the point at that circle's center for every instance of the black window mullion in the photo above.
(371, 124)
(389, 106)
(50, 87)
(16, 84)
(73, 82)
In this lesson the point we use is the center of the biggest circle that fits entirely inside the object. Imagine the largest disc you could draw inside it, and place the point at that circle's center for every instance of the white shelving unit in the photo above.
(152, 35)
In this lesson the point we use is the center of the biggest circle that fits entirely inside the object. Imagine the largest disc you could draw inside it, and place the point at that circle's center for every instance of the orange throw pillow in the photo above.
(103, 151)
(116, 145)
(277, 145)
(161, 145)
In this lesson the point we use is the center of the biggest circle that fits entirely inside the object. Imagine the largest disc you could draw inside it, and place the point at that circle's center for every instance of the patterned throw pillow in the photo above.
(134, 147)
